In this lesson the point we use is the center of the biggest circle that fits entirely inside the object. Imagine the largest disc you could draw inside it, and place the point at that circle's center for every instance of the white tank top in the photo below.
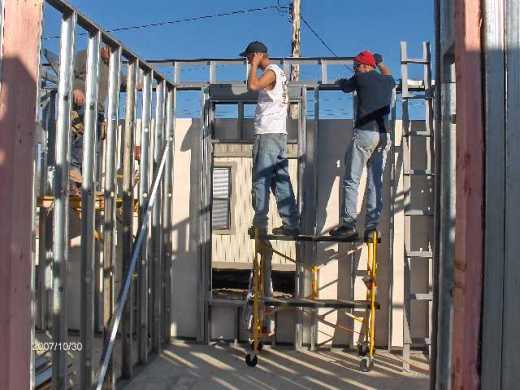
(271, 109)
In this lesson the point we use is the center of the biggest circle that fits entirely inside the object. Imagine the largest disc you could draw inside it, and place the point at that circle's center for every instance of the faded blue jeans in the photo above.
(368, 148)
(271, 171)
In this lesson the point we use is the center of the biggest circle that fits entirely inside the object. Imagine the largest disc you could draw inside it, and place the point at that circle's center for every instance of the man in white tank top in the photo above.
(270, 164)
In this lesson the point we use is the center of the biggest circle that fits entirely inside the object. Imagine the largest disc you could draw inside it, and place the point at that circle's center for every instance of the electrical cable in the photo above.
(184, 20)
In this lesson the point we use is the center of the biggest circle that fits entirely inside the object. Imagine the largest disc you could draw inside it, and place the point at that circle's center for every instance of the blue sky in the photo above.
(347, 27)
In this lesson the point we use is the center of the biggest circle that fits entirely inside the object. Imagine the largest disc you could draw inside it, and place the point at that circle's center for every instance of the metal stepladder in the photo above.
(418, 209)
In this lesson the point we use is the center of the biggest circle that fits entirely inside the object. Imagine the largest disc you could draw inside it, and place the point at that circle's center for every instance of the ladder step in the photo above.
(417, 97)
(415, 61)
(421, 254)
(418, 172)
(421, 297)
(414, 84)
(421, 341)
(418, 134)
(417, 212)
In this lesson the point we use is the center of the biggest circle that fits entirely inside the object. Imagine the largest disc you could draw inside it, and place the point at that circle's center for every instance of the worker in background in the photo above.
(270, 164)
(78, 107)
(370, 142)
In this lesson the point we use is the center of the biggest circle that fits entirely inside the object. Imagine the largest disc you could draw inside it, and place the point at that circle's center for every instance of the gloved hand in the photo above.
(378, 58)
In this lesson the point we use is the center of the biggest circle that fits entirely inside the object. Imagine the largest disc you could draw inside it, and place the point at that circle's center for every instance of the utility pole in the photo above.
(295, 46)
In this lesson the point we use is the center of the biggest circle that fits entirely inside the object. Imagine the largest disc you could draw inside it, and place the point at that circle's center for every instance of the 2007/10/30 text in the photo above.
(51, 346)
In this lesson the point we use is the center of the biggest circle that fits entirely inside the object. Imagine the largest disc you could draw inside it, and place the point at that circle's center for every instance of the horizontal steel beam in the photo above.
(237, 61)
(309, 85)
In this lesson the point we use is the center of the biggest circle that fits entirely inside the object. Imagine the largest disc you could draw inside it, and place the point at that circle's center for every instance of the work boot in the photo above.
(344, 232)
(253, 230)
(285, 230)
(368, 234)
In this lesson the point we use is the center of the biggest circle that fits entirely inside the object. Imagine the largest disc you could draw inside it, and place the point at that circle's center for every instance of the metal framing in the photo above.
(302, 276)
(143, 197)
(155, 220)
(495, 114)
(61, 206)
(167, 214)
(90, 203)
(285, 62)
(157, 237)
(499, 350)
(128, 216)
(88, 211)
(206, 162)
(110, 190)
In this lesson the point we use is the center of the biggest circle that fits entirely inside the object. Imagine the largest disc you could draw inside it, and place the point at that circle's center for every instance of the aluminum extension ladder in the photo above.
(418, 212)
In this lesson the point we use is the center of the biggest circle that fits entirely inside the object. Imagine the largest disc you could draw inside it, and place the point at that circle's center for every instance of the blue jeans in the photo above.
(367, 148)
(271, 171)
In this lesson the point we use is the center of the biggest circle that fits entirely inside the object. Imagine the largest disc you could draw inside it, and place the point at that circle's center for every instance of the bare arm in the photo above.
(347, 85)
(255, 83)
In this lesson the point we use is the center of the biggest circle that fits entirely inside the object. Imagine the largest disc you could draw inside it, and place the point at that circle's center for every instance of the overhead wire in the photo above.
(184, 20)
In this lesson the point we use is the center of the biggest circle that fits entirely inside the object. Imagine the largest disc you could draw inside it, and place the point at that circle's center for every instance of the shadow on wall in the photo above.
(334, 139)
(185, 230)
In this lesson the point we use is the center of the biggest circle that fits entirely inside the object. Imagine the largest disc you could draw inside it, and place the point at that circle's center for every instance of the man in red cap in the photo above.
(370, 142)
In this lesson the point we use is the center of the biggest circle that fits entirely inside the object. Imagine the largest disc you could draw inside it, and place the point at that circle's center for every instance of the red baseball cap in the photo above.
(365, 57)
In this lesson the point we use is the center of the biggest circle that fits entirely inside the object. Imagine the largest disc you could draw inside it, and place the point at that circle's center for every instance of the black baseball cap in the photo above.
(254, 47)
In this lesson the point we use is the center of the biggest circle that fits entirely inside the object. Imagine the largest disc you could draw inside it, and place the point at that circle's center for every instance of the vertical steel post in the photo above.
(446, 192)
(61, 203)
(88, 212)
(167, 213)
(45, 215)
(156, 223)
(212, 72)
(109, 226)
(143, 198)
(313, 155)
(205, 220)
(302, 283)
(127, 325)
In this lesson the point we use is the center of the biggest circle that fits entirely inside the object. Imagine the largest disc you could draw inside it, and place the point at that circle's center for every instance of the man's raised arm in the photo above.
(385, 70)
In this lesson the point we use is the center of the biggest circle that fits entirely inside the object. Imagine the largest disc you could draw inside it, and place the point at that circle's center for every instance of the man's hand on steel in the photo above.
(78, 97)
(378, 58)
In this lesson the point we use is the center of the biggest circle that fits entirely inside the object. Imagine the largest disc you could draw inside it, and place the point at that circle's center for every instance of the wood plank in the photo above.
(19, 65)
(467, 289)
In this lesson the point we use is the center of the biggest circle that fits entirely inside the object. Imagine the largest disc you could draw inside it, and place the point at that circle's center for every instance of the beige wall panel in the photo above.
(342, 266)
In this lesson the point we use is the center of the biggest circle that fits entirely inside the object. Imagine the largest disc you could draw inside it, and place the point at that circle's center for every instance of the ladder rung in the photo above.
(422, 254)
(414, 84)
(418, 133)
(421, 297)
(418, 212)
(418, 172)
(415, 61)
(421, 340)
(417, 97)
